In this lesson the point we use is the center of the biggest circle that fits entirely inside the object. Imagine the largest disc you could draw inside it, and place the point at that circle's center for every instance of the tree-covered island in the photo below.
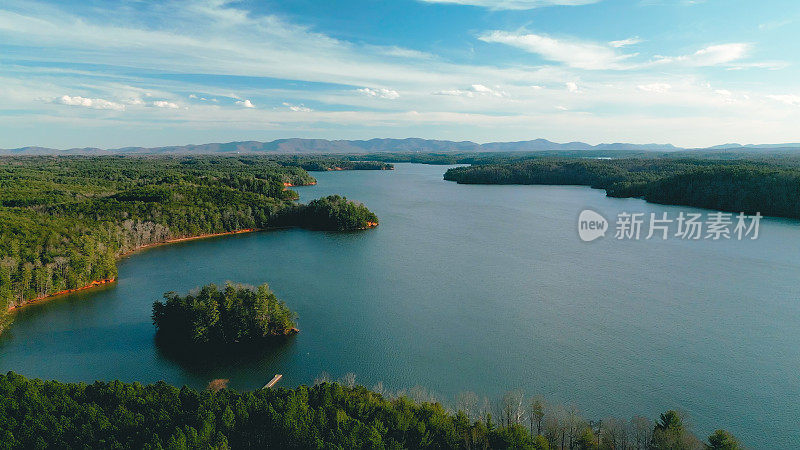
(219, 318)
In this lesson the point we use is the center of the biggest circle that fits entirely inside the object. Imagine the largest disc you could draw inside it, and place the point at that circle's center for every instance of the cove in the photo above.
(470, 287)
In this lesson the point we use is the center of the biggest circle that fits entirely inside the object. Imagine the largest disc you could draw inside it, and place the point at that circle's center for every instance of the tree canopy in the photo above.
(216, 317)
(737, 186)
(42, 414)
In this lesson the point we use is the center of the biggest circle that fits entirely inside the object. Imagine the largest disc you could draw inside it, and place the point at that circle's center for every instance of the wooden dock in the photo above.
(273, 381)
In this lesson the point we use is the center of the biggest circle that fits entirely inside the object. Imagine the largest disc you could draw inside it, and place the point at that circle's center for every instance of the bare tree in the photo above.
(467, 402)
(380, 389)
(642, 432)
(536, 414)
(555, 426)
(421, 395)
(486, 411)
(349, 380)
(574, 425)
(613, 433)
(324, 377)
(512, 407)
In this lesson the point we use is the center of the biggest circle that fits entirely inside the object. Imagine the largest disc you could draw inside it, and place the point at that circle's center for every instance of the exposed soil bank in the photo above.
(189, 238)
(64, 292)
(97, 283)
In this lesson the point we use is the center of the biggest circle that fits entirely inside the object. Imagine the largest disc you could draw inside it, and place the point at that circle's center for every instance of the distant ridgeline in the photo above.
(220, 319)
(64, 221)
(49, 414)
(737, 186)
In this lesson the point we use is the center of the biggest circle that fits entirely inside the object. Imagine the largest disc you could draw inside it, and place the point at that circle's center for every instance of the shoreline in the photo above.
(286, 185)
(37, 300)
(97, 283)
(188, 238)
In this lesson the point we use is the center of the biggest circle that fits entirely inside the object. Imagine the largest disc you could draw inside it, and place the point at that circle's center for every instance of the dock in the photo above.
(273, 381)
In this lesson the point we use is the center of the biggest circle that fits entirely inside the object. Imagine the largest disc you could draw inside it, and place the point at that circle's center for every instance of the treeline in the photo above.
(65, 220)
(325, 164)
(49, 414)
(737, 186)
(329, 213)
(217, 318)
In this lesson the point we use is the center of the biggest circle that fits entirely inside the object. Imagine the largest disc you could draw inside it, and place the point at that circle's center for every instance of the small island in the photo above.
(215, 318)
(331, 213)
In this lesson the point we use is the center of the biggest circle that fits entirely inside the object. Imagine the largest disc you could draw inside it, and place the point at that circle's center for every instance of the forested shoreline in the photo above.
(736, 186)
(64, 221)
(42, 414)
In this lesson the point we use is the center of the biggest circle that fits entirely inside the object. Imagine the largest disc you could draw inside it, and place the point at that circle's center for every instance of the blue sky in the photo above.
(121, 73)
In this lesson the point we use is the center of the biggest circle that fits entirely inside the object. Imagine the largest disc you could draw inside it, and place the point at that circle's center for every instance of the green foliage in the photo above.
(214, 317)
(737, 186)
(670, 434)
(320, 164)
(38, 414)
(64, 221)
(336, 213)
(723, 440)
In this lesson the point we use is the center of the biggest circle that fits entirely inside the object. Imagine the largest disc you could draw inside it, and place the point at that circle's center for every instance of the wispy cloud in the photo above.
(245, 103)
(625, 42)
(165, 104)
(389, 94)
(713, 55)
(572, 52)
(94, 103)
(473, 91)
(297, 108)
(514, 4)
(788, 99)
(657, 88)
(598, 56)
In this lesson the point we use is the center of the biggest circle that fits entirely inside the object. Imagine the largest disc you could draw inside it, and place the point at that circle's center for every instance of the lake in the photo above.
(468, 287)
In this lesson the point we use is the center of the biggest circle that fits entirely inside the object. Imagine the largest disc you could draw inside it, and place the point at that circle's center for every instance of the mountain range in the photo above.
(298, 145)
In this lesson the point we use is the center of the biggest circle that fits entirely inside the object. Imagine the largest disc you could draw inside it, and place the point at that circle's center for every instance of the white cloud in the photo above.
(657, 88)
(389, 94)
(297, 108)
(625, 42)
(514, 4)
(713, 55)
(165, 104)
(246, 103)
(473, 91)
(573, 53)
(94, 103)
(573, 87)
(597, 56)
(788, 99)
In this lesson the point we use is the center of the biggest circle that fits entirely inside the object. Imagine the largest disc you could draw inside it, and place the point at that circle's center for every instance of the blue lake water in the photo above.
(481, 288)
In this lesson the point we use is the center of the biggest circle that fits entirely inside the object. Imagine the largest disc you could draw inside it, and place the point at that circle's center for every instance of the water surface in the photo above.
(482, 288)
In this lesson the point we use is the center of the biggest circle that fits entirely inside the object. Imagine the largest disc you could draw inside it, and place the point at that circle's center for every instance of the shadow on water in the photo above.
(210, 359)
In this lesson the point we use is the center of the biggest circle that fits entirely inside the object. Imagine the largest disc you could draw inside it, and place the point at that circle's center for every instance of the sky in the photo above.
(116, 73)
